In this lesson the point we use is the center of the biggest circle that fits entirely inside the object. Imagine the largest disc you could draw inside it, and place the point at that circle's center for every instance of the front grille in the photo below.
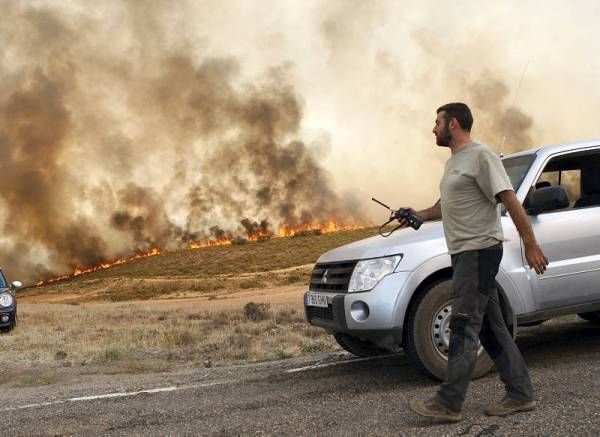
(332, 277)
(319, 313)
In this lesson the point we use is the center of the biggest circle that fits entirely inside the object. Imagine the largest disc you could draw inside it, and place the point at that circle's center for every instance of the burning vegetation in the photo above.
(143, 145)
(261, 234)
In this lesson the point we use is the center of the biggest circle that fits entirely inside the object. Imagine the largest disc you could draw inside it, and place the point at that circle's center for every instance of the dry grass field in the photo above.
(206, 307)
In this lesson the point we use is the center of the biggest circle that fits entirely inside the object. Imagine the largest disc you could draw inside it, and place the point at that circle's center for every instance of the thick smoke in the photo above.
(253, 228)
(490, 97)
(502, 120)
(107, 149)
(126, 124)
(34, 126)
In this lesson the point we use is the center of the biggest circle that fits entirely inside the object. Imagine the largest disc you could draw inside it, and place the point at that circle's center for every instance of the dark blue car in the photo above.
(8, 304)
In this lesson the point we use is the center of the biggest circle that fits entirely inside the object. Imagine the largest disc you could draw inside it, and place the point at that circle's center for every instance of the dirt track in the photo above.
(281, 295)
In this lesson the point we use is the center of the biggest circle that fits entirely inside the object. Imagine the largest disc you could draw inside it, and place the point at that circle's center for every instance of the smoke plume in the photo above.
(109, 150)
(126, 125)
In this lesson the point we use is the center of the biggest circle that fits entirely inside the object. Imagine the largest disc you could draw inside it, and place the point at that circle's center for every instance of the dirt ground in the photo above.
(64, 335)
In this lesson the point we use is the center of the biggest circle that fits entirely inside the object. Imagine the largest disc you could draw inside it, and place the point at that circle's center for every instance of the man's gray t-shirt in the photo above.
(470, 214)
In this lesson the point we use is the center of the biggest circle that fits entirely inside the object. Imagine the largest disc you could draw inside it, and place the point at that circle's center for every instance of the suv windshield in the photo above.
(2, 281)
(517, 167)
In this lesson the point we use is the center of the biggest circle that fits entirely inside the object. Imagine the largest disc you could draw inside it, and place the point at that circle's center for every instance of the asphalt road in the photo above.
(324, 395)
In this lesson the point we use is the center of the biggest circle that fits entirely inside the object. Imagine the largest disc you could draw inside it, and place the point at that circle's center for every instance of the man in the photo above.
(474, 182)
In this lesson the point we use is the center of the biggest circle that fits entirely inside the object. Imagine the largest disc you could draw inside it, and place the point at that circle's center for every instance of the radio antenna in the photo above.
(513, 104)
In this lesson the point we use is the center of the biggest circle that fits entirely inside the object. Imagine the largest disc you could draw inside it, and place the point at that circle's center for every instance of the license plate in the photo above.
(316, 300)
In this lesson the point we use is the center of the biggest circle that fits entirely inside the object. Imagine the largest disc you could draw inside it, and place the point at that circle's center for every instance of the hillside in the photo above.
(187, 309)
(186, 273)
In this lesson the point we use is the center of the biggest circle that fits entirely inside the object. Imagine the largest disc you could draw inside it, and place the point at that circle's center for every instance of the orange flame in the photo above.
(105, 265)
(284, 231)
(208, 243)
(323, 228)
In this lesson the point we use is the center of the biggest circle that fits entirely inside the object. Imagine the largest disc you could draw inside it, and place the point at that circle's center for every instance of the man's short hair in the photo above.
(460, 111)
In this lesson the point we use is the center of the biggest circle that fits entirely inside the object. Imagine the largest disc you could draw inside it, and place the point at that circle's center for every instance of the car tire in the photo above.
(427, 333)
(358, 346)
(593, 316)
(8, 328)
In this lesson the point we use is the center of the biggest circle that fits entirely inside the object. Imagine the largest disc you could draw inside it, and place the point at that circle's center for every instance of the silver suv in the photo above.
(381, 294)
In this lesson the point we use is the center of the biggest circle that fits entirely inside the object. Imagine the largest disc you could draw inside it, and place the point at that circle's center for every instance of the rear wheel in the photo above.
(358, 346)
(593, 316)
(427, 335)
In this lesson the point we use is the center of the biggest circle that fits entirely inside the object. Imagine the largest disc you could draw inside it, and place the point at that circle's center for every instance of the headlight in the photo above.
(369, 272)
(6, 300)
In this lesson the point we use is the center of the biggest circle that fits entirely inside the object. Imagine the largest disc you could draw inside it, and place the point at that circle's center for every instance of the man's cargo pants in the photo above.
(476, 315)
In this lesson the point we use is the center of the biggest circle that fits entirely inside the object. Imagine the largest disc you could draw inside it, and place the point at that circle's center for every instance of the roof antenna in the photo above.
(513, 104)
(502, 145)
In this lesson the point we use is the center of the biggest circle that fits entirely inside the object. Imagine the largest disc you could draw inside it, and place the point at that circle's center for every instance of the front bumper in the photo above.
(11, 314)
(383, 324)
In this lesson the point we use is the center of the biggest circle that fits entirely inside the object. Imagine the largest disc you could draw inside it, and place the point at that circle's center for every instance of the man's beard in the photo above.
(444, 138)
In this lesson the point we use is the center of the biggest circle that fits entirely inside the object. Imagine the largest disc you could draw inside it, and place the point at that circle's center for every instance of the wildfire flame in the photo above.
(284, 231)
(330, 226)
(209, 243)
(105, 265)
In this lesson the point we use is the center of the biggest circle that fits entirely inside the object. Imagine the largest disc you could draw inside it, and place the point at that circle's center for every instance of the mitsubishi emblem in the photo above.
(324, 277)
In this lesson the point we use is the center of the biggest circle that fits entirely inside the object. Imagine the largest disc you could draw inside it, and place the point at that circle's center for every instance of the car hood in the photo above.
(429, 239)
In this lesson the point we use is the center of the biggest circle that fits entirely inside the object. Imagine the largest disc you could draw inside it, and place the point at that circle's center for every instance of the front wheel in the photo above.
(593, 316)
(358, 346)
(427, 336)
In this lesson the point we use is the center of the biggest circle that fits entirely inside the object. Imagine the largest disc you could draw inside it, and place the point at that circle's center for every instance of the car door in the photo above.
(570, 237)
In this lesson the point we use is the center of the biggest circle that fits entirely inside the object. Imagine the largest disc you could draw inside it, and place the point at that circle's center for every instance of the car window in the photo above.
(2, 280)
(517, 167)
(570, 179)
(578, 173)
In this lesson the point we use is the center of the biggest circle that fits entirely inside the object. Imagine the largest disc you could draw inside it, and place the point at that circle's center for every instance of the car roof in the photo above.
(557, 148)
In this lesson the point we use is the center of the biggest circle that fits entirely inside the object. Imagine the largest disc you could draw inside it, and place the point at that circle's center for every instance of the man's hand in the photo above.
(536, 258)
(433, 213)
(403, 222)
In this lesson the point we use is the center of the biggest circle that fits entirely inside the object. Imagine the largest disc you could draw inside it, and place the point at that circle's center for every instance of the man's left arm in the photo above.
(534, 255)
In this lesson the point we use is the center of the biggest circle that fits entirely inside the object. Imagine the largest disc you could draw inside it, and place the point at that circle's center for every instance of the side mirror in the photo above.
(548, 199)
(16, 285)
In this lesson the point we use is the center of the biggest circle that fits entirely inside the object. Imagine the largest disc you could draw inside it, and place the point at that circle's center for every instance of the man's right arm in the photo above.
(428, 214)
(433, 213)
